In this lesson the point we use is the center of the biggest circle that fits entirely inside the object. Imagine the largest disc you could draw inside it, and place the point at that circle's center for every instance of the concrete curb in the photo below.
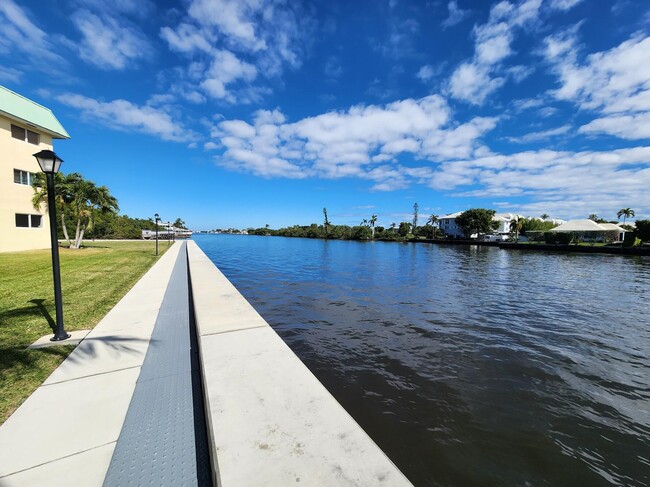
(270, 421)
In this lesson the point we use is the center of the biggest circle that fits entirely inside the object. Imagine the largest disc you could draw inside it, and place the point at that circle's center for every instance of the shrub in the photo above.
(628, 239)
(549, 238)
(535, 236)
(643, 230)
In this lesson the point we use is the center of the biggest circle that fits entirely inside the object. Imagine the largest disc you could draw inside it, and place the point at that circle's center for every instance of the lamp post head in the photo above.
(157, 216)
(49, 161)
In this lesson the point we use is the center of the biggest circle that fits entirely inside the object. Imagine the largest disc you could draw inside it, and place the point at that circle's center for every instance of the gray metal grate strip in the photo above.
(163, 440)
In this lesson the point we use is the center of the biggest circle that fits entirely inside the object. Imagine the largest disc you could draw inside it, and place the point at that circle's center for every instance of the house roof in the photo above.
(612, 226)
(586, 226)
(24, 110)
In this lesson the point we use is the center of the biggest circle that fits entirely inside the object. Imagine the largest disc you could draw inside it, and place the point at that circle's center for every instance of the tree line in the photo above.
(475, 221)
(89, 210)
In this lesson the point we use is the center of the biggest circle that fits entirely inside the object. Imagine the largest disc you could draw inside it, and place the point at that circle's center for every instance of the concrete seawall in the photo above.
(270, 421)
(126, 403)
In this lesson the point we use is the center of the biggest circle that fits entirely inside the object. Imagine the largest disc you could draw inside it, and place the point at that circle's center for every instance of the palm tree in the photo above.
(544, 216)
(393, 226)
(85, 199)
(433, 219)
(516, 224)
(625, 213)
(416, 209)
(373, 220)
(63, 185)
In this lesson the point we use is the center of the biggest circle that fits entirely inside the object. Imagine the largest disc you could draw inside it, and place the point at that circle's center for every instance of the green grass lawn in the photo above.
(93, 280)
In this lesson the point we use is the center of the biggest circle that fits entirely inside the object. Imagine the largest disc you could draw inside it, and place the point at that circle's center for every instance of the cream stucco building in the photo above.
(25, 128)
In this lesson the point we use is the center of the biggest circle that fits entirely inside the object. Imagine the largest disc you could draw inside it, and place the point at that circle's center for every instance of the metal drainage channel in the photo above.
(163, 440)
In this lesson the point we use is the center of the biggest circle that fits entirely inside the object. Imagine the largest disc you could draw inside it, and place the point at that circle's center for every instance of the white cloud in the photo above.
(427, 72)
(572, 180)
(19, 33)
(564, 4)
(358, 142)
(226, 68)
(10, 74)
(333, 69)
(109, 43)
(246, 38)
(456, 15)
(136, 8)
(124, 115)
(234, 19)
(541, 135)
(187, 38)
(520, 73)
(630, 127)
(613, 83)
(473, 81)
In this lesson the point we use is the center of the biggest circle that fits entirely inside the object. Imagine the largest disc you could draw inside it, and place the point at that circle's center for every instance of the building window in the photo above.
(24, 134)
(23, 177)
(29, 221)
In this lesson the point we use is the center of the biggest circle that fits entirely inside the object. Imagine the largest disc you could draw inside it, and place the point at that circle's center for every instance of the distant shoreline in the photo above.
(585, 249)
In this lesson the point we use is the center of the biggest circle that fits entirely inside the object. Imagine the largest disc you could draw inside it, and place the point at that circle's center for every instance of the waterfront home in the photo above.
(25, 128)
(165, 231)
(589, 230)
(448, 225)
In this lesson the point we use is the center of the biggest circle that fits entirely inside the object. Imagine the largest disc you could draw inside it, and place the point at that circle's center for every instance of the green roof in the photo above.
(23, 109)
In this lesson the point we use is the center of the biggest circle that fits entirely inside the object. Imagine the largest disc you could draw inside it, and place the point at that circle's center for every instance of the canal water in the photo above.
(467, 365)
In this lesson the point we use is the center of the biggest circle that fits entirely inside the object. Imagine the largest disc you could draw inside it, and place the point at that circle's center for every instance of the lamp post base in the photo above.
(60, 336)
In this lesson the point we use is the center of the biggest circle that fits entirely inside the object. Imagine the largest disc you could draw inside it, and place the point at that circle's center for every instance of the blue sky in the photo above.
(246, 112)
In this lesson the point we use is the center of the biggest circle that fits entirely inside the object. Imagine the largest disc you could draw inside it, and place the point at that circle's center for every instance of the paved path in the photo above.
(163, 440)
(66, 432)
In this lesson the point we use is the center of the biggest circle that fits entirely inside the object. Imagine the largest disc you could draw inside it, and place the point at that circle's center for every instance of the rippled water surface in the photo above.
(467, 365)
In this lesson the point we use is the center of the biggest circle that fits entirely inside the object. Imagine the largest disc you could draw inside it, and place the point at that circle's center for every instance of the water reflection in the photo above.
(467, 365)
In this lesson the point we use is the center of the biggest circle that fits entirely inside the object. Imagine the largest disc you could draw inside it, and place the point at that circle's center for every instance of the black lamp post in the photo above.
(50, 164)
(157, 220)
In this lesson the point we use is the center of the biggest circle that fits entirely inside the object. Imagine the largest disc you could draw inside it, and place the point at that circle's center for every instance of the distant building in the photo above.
(25, 128)
(590, 230)
(448, 225)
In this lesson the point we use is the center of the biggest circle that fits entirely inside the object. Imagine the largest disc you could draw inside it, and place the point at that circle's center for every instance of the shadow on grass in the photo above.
(86, 351)
(19, 356)
(38, 309)
(46, 314)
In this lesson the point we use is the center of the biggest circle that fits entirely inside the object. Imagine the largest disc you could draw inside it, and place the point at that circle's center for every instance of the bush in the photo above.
(643, 230)
(361, 232)
(558, 238)
(629, 238)
(549, 238)
(535, 236)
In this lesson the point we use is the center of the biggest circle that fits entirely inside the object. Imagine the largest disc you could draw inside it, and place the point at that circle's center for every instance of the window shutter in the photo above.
(17, 132)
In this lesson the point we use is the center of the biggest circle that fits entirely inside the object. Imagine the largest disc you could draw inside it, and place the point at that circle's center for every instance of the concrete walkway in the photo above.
(65, 433)
(163, 439)
(135, 404)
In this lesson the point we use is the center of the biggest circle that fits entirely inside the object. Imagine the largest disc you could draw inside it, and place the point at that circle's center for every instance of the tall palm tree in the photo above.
(373, 220)
(433, 219)
(625, 213)
(63, 184)
(544, 216)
